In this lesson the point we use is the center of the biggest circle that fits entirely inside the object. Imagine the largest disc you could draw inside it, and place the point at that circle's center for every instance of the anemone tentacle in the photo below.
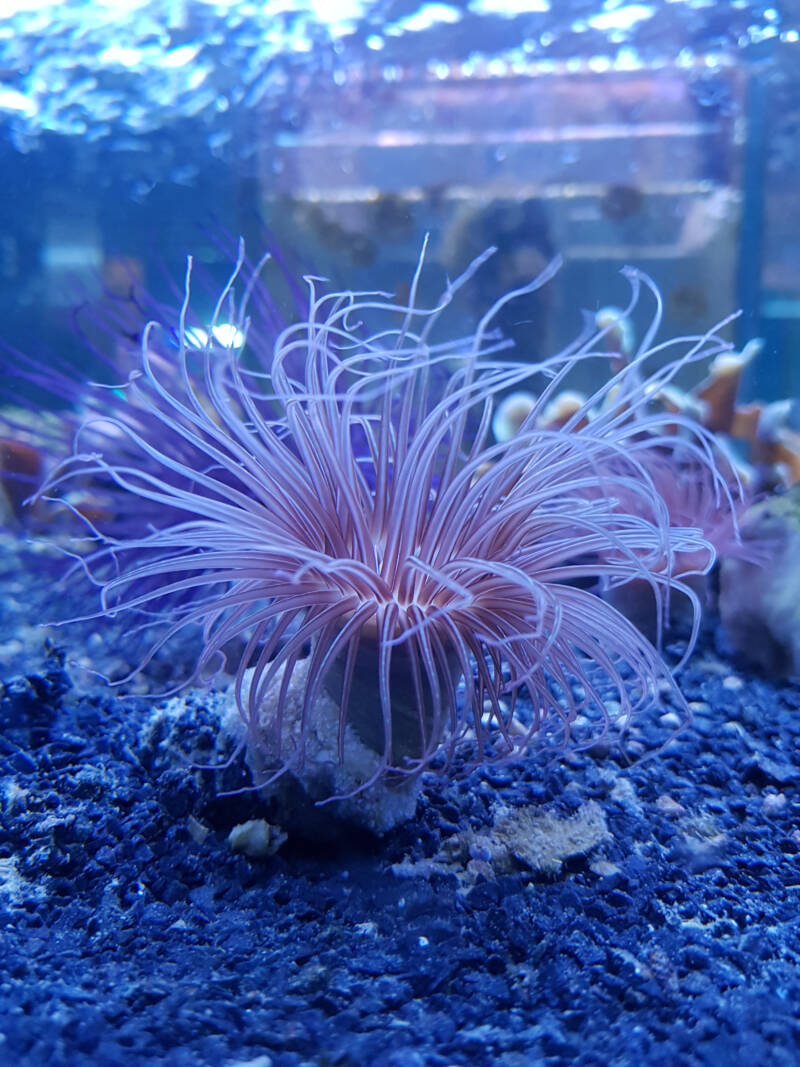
(333, 500)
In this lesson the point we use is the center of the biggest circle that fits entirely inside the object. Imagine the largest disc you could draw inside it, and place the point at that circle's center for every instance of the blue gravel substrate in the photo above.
(130, 938)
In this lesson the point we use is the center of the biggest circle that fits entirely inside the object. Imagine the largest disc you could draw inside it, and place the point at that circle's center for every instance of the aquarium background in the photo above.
(591, 911)
(663, 135)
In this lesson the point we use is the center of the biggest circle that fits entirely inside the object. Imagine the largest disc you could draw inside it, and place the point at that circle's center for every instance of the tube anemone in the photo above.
(340, 509)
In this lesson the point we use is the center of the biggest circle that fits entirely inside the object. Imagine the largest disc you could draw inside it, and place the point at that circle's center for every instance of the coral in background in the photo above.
(757, 453)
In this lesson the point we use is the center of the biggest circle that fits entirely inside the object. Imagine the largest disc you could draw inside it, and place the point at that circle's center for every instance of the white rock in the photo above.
(760, 602)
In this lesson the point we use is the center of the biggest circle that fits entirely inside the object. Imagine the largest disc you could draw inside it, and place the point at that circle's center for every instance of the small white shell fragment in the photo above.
(256, 838)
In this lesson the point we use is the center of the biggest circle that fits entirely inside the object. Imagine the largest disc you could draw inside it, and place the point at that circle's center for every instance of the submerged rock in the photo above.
(760, 602)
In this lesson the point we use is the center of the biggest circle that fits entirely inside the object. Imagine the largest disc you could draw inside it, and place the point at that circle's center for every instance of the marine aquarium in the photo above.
(399, 533)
